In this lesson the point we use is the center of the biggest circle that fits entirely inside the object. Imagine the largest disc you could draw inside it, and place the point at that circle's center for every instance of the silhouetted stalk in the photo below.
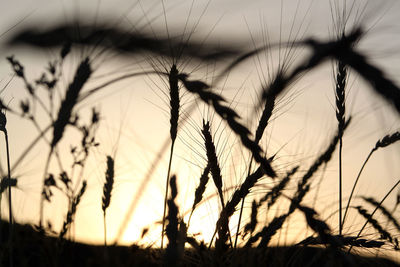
(11, 223)
(341, 78)
(354, 186)
(340, 186)
(1, 220)
(107, 189)
(198, 195)
(262, 125)
(241, 209)
(174, 112)
(387, 140)
(166, 192)
(70, 100)
(372, 214)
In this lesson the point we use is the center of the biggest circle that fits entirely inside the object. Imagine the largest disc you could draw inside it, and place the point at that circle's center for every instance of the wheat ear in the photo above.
(384, 211)
(213, 161)
(82, 75)
(231, 117)
(376, 208)
(107, 189)
(198, 194)
(262, 125)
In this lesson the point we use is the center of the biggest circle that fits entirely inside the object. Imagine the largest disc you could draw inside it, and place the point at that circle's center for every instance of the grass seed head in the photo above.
(341, 78)
(198, 194)
(384, 211)
(212, 158)
(64, 114)
(377, 226)
(387, 140)
(108, 185)
(174, 101)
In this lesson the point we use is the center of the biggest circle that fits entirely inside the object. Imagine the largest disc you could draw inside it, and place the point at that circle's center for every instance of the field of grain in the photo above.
(200, 133)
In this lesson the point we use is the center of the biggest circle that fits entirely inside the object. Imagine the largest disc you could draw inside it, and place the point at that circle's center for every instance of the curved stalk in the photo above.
(354, 186)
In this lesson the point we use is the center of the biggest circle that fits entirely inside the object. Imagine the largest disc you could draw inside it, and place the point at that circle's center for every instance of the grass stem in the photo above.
(340, 187)
(10, 215)
(166, 192)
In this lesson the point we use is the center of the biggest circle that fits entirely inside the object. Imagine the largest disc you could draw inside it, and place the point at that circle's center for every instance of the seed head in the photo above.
(3, 121)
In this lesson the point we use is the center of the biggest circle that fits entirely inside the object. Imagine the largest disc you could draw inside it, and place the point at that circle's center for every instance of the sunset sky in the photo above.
(134, 122)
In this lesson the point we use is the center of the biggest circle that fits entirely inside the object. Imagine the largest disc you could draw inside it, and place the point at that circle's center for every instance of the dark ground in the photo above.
(32, 248)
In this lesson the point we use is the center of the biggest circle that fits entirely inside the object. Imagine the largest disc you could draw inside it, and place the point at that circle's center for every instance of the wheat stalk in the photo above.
(325, 157)
(230, 116)
(251, 226)
(174, 105)
(267, 232)
(271, 197)
(387, 140)
(82, 75)
(64, 114)
(368, 216)
(107, 189)
(213, 161)
(227, 212)
(171, 253)
(384, 211)
(262, 125)
(363, 212)
(344, 241)
(265, 117)
(341, 78)
(3, 122)
(214, 169)
(276, 191)
(198, 194)
(319, 226)
(72, 210)
(174, 101)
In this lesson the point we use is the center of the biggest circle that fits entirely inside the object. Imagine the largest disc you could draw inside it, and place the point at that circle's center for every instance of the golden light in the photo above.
(134, 124)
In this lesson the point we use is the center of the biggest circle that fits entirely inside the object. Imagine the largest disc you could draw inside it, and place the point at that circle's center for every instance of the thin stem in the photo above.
(223, 208)
(241, 208)
(11, 223)
(212, 238)
(340, 186)
(1, 221)
(190, 217)
(105, 229)
(376, 208)
(355, 184)
(239, 220)
(166, 192)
